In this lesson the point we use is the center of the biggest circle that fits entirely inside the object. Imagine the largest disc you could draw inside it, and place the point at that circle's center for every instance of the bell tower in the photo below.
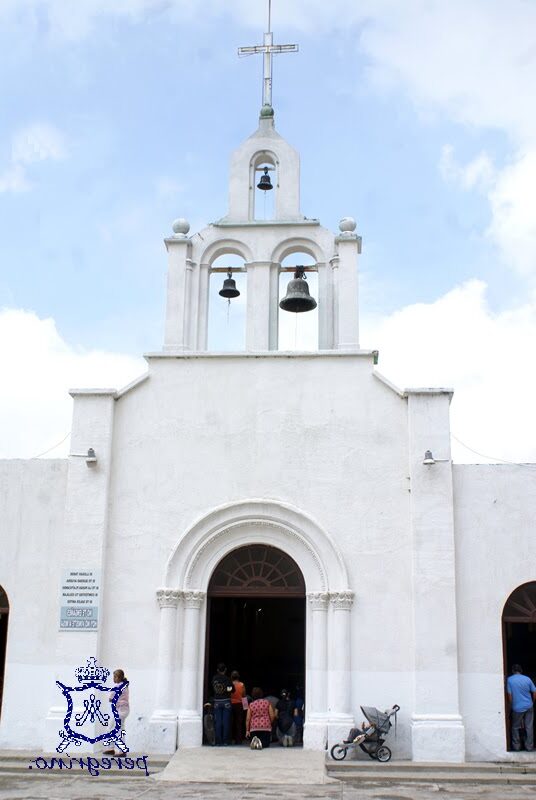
(264, 169)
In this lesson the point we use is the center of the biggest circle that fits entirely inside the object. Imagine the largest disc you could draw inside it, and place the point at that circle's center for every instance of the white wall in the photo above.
(32, 501)
(494, 509)
(317, 432)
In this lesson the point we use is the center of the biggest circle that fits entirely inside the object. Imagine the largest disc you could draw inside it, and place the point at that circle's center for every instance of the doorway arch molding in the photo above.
(233, 525)
(182, 619)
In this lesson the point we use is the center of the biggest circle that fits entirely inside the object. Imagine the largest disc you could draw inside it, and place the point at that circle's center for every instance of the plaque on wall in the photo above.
(79, 600)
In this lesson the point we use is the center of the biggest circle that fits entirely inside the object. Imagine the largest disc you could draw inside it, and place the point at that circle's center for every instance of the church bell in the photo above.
(265, 183)
(297, 298)
(229, 289)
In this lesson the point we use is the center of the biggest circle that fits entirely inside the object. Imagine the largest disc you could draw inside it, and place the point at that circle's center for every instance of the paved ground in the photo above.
(87, 788)
(275, 765)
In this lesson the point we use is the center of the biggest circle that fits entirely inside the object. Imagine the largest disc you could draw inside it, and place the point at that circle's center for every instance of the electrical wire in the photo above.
(491, 458)
(54, 447)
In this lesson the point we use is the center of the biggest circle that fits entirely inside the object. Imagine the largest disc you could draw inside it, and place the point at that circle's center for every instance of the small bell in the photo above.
(229, 289)
(265, 183)
(297, 298)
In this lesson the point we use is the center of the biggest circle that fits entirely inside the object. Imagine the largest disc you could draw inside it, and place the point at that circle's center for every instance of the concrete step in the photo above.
(520, 772)
(17, 763)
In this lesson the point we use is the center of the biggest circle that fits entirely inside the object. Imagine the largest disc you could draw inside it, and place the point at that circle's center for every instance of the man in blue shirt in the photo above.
(521, 696)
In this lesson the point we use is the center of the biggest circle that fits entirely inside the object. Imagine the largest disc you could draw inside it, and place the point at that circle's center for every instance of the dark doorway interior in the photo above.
(4, 613)
(519, 636)
(256, 619)
(262, 638)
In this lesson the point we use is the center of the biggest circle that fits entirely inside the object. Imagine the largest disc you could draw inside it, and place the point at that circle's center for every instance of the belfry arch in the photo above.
(183, 601)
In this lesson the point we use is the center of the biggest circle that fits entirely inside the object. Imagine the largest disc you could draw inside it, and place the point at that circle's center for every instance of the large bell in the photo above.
(297, 298)
(265, 183)
(229, 287)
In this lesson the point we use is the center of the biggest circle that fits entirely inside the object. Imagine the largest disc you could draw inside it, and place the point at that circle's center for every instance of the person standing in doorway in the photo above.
(521, 693)
(238, 703)
(222, 688)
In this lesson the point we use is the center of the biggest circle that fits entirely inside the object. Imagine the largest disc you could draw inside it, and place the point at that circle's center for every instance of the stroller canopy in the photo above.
(379, 719)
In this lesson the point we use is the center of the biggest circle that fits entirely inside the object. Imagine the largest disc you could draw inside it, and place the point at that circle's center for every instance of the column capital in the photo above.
(318, 600)
(168, 598)
(193, 598)
(342, 601)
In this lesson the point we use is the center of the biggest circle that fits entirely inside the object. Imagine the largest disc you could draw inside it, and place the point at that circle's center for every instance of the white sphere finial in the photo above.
(347, 225)
(180, 227)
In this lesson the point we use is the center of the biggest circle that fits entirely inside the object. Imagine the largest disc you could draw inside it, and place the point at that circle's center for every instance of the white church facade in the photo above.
(292, 513)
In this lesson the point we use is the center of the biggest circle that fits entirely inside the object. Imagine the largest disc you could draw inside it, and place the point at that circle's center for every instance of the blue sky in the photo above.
(120, 116)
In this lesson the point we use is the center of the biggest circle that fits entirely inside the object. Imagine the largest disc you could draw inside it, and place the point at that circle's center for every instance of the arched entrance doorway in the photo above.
(4, 614)
(519, 635)
(256, 619)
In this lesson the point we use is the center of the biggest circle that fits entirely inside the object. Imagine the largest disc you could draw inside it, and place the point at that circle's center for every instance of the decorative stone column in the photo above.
(176, 335)
(315, 729)
(340, 668)
(349, 247)
(163, 723)
(259, 274)
(190, 720)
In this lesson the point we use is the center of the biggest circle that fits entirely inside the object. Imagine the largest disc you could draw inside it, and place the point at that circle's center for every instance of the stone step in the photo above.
(407, 771)
(17, 763)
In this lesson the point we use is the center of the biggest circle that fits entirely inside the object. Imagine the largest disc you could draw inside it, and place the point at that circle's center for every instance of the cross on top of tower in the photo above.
(268, 49)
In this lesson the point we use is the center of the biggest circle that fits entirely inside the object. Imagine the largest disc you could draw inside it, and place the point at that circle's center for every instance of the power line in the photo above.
(54, 447)
(491, 458)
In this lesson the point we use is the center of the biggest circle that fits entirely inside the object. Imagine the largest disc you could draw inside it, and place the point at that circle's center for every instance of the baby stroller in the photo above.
(371, 737)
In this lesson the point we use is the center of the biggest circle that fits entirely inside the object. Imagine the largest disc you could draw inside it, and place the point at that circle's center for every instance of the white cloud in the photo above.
(37, 142)
(513, 205)
(14, 179)
(488, 358)
(478, 173)
(38, 369)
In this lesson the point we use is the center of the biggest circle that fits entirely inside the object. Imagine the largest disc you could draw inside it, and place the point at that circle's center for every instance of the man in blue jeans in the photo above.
(521, 696)
(222, 687)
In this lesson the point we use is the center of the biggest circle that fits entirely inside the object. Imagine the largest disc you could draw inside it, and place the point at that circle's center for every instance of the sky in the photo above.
(416, 118)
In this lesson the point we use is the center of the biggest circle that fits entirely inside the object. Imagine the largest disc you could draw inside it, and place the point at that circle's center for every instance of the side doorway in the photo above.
(519, 637)
(4, 616)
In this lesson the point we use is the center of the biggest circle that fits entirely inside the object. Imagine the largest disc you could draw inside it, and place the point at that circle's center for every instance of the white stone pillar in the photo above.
(176, 334)
(84, 536)
(325, 306)
(163, 722)
(258, 305)
(339, 666)
(190, 719)
(315, 728)
(437, 726)
(347, 335)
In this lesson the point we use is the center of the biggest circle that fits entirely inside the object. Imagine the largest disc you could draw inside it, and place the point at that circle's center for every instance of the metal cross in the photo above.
(268, 49)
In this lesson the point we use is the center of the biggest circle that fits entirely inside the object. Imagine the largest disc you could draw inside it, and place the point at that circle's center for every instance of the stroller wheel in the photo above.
(383, 754)
(338, 752)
